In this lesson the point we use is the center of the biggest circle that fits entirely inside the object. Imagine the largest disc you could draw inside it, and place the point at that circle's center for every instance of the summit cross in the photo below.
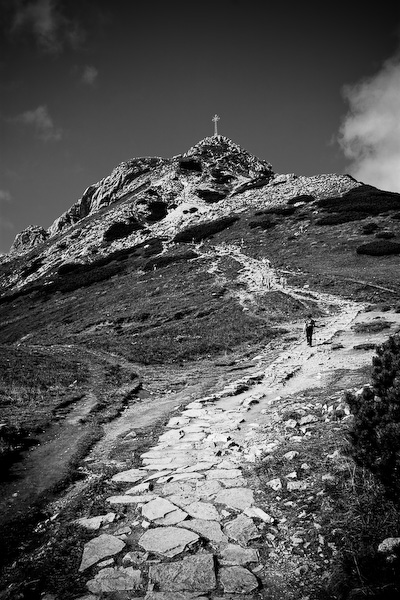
(215, 120)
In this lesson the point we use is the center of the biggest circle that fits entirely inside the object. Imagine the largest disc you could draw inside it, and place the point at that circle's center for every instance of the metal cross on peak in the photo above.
(215, 120)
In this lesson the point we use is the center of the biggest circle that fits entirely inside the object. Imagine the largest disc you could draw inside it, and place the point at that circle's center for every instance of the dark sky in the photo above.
(87, 84)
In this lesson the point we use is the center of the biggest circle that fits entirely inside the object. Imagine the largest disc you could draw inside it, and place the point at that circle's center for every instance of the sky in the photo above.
(311, 87)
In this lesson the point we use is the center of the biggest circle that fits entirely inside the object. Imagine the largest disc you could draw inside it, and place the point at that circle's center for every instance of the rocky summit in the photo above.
(168, 431)
(150, 197)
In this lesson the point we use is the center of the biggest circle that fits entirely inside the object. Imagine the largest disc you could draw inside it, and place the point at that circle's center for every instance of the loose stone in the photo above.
(258, 513)
(140, 488)
(275, 484)
(297, 486)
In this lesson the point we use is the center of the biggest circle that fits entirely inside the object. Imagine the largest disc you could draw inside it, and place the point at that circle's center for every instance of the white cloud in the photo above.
(5, 196)
(89, 75)
(370, 132)
(40, 119)
(51, 29)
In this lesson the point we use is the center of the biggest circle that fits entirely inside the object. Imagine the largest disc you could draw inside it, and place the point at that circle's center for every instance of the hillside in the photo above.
(154, 376)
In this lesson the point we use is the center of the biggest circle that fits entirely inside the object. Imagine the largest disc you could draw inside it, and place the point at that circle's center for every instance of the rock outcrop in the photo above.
(28, 239)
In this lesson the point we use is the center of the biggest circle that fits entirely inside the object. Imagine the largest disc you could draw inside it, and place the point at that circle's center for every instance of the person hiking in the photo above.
(309, 325)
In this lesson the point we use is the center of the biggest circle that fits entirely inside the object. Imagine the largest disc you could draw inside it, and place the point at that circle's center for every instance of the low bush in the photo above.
(190, 164)
(375, 434)
(121, 229)
(379, 248)
(369, 228)
(339, 218)
(211, 195)
(385, 235)
(262, 224)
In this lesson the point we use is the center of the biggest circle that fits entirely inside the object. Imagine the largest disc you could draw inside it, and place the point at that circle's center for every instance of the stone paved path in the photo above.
(192, 513)
(191, 519)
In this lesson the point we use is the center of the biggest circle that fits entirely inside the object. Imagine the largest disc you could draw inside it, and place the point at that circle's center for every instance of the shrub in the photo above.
(385, 235)
(375, 434)
(277, 210)
(262, 223)
(190, 164)
(379, 248)
(158, 210)
(199, 232)
(369, 228)
(210, 195)
(338, 218)
(121, 229)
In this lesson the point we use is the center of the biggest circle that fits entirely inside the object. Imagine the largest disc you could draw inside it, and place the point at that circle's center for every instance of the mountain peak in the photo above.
(221, 152)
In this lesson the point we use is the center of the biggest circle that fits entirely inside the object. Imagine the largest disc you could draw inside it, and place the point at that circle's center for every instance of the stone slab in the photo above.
(95, 523)
(208, 489)
(240, 498)
(157, 508)
(167, 541)
(103, 546)
(115, 580)
(237, 580)
(193, 573)
(242, 529)
(127, 499)
(210, 530)
(224, 473)
(172, 518)
(175, 596)
(236, 555)
(203, 510)
(129, 476)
